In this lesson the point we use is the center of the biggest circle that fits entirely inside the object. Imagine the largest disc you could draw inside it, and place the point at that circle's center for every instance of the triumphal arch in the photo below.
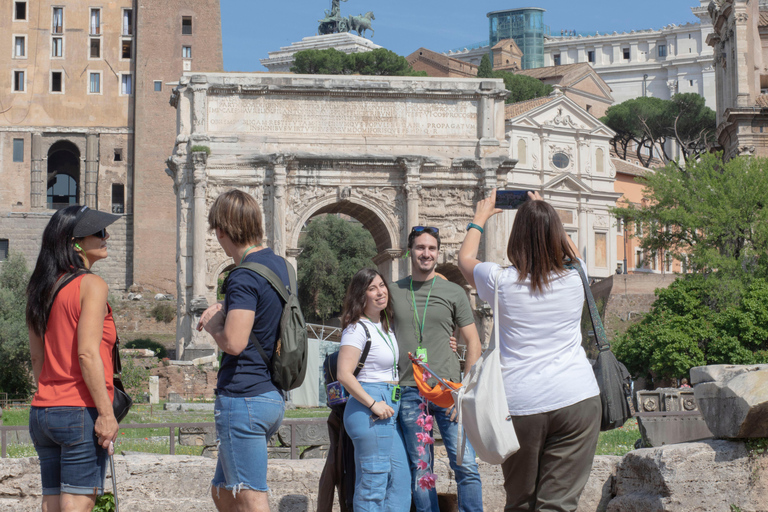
(391, 152)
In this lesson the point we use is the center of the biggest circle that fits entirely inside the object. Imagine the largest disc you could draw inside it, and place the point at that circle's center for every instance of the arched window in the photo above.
(521, 152)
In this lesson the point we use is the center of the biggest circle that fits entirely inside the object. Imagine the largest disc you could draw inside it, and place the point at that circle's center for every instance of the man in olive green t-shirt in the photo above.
(428, 310)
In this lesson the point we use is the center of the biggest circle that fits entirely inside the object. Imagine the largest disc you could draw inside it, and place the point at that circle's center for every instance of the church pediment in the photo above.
(563, 114)
(568, 182)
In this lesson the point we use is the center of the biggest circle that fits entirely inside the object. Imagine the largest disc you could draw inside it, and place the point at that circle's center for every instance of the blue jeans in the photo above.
(71, 460)
(467, 476)
(243, 428)
(381, 465)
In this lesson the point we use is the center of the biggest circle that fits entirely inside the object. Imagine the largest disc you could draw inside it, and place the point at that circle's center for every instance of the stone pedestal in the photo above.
(154, 389)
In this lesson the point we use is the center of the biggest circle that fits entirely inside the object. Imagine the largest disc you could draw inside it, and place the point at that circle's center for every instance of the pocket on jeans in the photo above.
(65, 425)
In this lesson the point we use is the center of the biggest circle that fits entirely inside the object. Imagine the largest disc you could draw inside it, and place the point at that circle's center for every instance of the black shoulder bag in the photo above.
(121, 402)
(612, 377)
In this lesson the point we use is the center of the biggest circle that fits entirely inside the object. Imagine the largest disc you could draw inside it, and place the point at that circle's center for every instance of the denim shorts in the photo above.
(71, 460)
(244, 426)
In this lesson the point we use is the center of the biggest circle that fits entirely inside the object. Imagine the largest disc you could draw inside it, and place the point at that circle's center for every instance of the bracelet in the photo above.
(374, 403)
(473, 225)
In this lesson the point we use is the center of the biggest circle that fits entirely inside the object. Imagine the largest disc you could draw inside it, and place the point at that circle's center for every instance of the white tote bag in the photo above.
(481, 402)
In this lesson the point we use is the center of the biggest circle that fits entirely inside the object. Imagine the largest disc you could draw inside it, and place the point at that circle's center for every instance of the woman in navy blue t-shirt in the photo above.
(249, 408)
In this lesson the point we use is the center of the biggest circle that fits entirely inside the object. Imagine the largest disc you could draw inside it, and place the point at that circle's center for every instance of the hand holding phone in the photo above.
(510, 199)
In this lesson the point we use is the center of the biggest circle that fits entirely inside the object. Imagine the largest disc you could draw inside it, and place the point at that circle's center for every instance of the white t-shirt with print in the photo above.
(381, 359)
(543, 363)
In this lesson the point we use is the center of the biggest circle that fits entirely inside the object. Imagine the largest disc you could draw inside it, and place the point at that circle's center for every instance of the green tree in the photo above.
(333, 62)
(522, 87)
(485, 69)
(15, 363)
(333, 251)
(714, 214)
(651, 122)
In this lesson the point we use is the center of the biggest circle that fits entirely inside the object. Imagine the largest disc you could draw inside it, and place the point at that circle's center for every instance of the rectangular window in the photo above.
(690, 82)
(20, 11)
(186, 52)
(591, 56)
(95, 24)
(57, 47)
(118, 198)
(127, 22)
(95, 51)
(556, 59)
(19, 47)
(18, 150)
(118, 154)
(58, 20)
(19, 84)
(127, 49)
(638, 258)
(94, 83)
(57, 81)
(668, 262)
(158, 85)
(662, 50)
(126, 84)
(3, 249)
(186, 25)
(626, 53)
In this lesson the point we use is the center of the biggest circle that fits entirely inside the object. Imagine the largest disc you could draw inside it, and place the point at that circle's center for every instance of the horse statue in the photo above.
(361, 23)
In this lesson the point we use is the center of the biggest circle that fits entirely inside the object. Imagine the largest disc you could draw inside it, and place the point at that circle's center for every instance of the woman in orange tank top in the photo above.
(71, 338)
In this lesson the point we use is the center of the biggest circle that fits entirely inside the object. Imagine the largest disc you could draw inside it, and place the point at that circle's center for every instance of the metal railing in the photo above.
(172, 426)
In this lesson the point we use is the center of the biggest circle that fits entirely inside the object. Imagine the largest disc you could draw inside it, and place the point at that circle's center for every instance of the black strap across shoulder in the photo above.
(601, 339)
(363, 356)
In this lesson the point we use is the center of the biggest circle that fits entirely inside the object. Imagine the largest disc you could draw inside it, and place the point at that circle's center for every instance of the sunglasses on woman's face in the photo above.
(425, 229)
(102, 233)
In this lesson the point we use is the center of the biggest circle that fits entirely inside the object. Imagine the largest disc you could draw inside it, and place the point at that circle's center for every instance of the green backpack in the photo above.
(289, 361)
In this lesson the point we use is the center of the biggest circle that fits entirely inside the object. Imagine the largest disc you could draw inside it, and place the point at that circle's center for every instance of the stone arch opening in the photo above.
(63, 176)
(367, 217)
(452, 273)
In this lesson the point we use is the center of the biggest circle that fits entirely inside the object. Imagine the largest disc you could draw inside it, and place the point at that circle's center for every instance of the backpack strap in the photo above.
(366, 349)
(276, 283)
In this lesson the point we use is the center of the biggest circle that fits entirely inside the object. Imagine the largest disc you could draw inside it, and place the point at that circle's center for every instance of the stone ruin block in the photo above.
(197, 436)
(733, 399)
(683, 423)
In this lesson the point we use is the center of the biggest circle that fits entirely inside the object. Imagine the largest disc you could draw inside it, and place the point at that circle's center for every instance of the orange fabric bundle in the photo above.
(439, 395)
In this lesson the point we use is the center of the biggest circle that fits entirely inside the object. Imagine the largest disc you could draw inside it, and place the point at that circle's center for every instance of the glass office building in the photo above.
(526, 27)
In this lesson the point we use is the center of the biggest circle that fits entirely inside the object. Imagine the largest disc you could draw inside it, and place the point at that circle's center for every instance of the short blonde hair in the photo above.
(238, 215)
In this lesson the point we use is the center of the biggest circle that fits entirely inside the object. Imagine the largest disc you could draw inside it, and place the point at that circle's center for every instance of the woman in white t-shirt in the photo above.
(370, 417)
(551, 389)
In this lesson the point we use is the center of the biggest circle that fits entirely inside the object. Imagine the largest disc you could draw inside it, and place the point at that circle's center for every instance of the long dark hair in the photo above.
(538, 245)
(57, 256)
(354, 301)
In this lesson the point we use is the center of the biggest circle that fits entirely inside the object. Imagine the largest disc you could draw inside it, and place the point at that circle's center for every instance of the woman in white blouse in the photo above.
(370, 417)
(551, 390)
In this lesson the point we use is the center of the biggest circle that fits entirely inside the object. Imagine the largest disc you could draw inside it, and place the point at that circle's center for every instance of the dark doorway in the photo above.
(63, 175)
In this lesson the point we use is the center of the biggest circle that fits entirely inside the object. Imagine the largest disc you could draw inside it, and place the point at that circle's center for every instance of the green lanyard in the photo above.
(420, 323)
(388, 341)
(246, 252)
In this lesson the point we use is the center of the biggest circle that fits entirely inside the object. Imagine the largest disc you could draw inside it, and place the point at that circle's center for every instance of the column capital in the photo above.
(294, 252)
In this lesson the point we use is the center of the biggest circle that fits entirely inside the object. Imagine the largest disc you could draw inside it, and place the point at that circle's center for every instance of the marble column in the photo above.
(38, 192)
(491, 235)
(278, 207)
(292, 257)
(199, 224)
(583, 238)
(92, 170)
(412, 189)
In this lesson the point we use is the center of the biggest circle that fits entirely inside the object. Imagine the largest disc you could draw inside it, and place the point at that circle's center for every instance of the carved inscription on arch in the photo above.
(342, 116)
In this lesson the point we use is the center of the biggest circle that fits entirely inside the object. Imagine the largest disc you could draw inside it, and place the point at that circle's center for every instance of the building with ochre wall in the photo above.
(82, 123)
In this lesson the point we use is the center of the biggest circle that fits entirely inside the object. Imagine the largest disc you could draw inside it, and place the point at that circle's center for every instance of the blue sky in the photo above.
(252, 28)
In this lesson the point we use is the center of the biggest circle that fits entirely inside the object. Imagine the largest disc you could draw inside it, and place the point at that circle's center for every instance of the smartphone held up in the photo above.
(510, 199)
